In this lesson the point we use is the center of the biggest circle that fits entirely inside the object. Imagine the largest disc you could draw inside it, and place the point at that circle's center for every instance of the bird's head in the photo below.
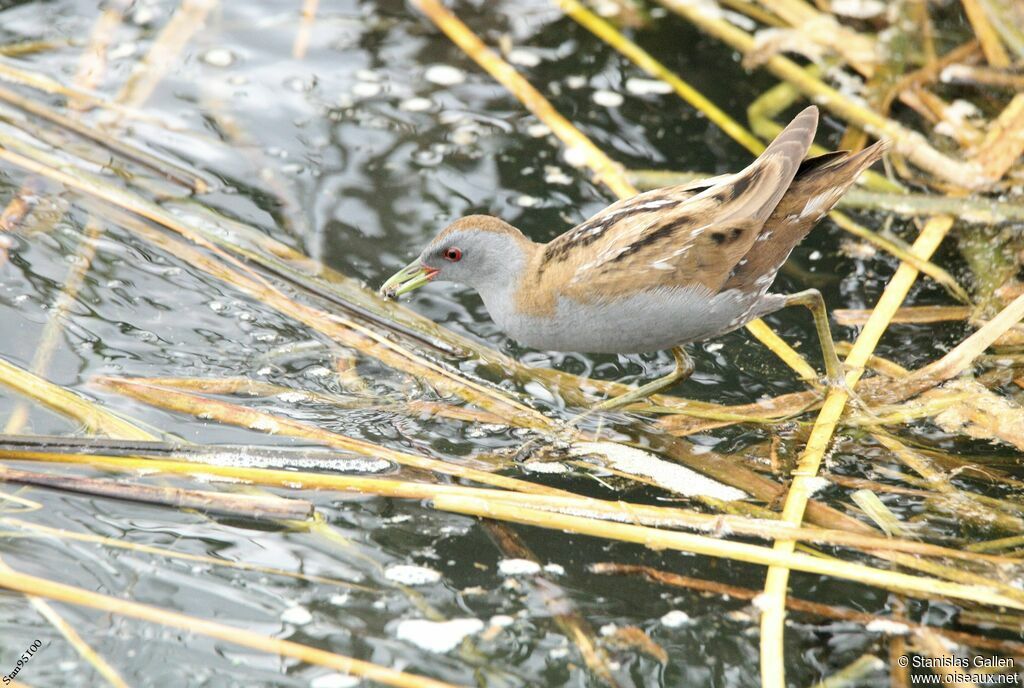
(479, 251)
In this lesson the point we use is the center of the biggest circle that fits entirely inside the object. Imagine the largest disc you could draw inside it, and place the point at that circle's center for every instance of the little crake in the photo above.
(662, 269)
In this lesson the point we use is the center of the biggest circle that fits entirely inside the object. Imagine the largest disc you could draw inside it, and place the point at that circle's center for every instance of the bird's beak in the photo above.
(412, 276)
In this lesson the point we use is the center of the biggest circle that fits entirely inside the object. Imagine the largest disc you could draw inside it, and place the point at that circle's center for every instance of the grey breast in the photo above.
(648, 321)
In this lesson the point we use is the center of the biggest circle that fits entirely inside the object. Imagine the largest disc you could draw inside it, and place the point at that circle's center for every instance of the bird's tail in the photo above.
(841, 167)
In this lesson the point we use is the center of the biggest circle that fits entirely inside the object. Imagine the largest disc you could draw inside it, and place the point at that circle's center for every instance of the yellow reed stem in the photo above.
(642, 59)
(92, 415)
(1004, 144)
(911, 314)
(91, 67)
(93, 62)
(908, 143)
(233, 414)
(964, 354)
(301, 44)
(606, 171)
(55, 322)
(822, 28)
(72, 636)
(773, 610)
(164, 51)
(991, 45)
(41, 587)
(38, 531)
(716, 547)
(244, 278)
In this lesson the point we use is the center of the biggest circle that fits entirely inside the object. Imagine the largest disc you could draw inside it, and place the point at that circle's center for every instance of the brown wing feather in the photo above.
(696, 239)
(817, 187)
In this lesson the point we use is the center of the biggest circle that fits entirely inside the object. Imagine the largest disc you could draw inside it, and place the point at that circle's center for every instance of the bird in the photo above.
(659, 270)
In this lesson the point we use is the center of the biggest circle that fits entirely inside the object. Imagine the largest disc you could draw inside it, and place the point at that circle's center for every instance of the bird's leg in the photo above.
(811, 298)
(683, 370)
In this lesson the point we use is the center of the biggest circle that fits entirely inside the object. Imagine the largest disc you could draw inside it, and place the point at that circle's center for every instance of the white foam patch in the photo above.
(675, 619)
(816, 484)
(406, 574)
(444, 75)
(523, 57)
(670, 476)
(296, 616)
(437, 636)
(858, 9)
(335, 681)
(887, 627)
(545, 467)
(518, 567)
(642, 87)
(608, 98)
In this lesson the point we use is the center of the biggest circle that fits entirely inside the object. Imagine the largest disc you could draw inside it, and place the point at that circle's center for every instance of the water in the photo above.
(357, 154)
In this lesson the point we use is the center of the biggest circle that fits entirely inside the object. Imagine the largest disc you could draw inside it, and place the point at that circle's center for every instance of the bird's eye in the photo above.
(453, 254)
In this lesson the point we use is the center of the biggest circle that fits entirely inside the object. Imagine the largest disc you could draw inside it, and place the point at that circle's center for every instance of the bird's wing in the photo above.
(671, 237)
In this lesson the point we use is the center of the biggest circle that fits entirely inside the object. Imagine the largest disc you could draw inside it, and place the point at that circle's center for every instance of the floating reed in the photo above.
(41, 587)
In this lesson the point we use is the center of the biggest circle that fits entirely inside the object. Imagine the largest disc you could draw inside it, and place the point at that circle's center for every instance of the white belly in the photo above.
(650, 321)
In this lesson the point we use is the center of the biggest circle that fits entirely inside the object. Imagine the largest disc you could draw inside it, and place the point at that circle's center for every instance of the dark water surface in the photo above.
(379, 136)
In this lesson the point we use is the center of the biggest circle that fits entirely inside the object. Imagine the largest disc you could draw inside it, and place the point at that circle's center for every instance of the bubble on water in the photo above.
(675, 619)
(299, 84)
(296, 615)
(518, 567)
(575, 81)
(642, 87)
(538, 130)
(887, 627)
(366, 89)
(576, 156)
(555, 175)
(523, 57)
(554, 569)
(219, 57)
(502, 620)
(335, 681)
(122, 51)
(430, 157)
(416, 104)
(217, 306)
(444, 75)
(607, 98)
(464, 136)
(143, 14)
(526, 201)
(340, 600)
(318, 371)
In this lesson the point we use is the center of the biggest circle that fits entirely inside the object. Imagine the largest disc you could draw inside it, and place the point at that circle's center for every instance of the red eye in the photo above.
(453, 254)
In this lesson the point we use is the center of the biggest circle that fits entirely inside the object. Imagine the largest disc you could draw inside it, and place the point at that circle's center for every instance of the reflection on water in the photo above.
(355, 154)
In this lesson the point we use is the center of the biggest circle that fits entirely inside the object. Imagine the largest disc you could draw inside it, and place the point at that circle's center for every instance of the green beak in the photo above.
(412, 276)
